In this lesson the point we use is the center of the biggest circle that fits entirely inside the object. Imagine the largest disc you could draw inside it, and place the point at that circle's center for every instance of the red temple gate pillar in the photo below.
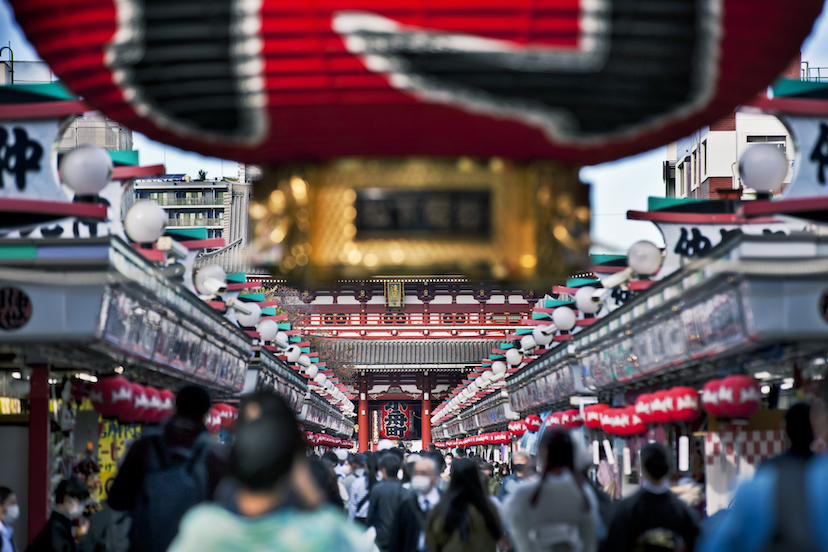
(426, 412)
(363, 418)
(38, 511)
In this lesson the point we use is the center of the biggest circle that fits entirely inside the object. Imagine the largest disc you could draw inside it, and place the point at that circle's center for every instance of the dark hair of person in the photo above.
(73, 487)
(398, 452)
(798, 427)
(391, 464)
(432, 447)
(357, 461)
(330, 457)
(437, 458)
(193, 402)
(325, 478)
(5, 493)
(560, 453)
(372, 467)
(655, 460)
(267, 442)
(461, 452)
(466, 491)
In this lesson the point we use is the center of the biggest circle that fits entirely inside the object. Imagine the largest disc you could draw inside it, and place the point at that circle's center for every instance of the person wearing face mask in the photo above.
(9, 512)
(357, 464)
(520, 473)
(409, 522)
(70, 501)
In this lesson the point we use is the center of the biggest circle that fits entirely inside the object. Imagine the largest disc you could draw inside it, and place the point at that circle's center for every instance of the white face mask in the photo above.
(12, 513)
(359, 472)
(75, 511)
(421, 483)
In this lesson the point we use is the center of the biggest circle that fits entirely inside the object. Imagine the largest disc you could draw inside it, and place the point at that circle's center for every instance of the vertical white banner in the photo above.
(596, 452)
(608, 451)
(684, 453)
(627, 461)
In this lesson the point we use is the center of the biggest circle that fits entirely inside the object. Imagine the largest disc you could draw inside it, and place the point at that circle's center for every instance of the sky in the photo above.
(617, 186)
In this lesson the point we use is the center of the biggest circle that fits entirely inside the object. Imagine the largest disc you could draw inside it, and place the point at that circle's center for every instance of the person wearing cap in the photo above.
(653, 518)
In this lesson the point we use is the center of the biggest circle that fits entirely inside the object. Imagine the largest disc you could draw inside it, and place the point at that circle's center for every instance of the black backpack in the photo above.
(176, 480)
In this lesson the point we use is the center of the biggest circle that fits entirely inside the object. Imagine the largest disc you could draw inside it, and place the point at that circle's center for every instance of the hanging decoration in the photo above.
(686, 404)
(661, 408)
(395, 421)
(517, 428)
(710, 397)
(533, 423)
(643, 407)
(592, 415)
(111, 396)
(571, 419)
(739, 397)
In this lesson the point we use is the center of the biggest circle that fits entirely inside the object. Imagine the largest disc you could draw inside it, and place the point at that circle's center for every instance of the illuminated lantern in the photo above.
(710, 397)
(517, 428)
(153, 412)
(661, 408)
(643, 407)
(533, 423)
(739, 397)
(571, 419)
(554, 420)
(417, 78)
(636, 424)
(140, 404)
(686, 404)
(592, 415)
(111, 396)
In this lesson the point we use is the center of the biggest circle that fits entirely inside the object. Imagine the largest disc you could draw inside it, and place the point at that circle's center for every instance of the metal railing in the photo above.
(196, 222)
(188, 201)
(813, 74)
(413, 319)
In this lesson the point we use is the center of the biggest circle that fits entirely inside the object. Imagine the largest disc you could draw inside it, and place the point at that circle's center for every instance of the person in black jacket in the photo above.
(409, 523)
(70, 501)
(386, 497)
(653, 518)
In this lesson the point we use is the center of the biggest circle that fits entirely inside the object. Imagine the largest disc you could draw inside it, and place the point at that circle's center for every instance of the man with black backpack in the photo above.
(166, 473)
(653, 518)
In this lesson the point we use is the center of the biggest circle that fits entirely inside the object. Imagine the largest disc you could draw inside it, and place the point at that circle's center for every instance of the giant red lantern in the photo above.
(213, 421)
(111, 396)
(153, 412)
(553, 420)
(417, 78)
(533, 422)
(517, 428)
(227, 414)
(686, 404)
(636, 424)
(571, 419)
(592, 415)
(661, 407)
(710, 397)
(609, 421)
(739, 397)
(643, 407)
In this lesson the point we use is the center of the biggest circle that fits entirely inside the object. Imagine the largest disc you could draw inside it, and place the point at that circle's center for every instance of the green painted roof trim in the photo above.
(305, 349)
(604, 258)
(253, 297)
(524, 331)
(18, 251)
(237, 277)
(284, 326)
(659, 203)
(580, 282)
(191, 233)
(51, 89)
(553, 303)
(795, 87)
(296, 339)
(496, 357)
(124, 157)
(506, 345)
(540, 316)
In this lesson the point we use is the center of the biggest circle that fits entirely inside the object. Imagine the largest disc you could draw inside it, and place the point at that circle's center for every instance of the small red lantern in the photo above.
(553, 420)
(643, 407)
(167, 403)
(111, 396)
(686, 404)
(152, 413)
(710, 397)
(608, 420)
(517, 428)
(636, 424)
(140, 404)
(533, 423)
(592, 415)
(213, 420)
(226, 413)
(571, 419)
(739, 397)
(661, 408)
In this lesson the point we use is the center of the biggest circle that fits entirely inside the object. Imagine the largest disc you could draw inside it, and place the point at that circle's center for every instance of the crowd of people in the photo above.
(178, 491)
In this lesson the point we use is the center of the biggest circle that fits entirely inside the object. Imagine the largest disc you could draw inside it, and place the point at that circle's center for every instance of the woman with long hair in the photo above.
(556, 513)
(464, 520)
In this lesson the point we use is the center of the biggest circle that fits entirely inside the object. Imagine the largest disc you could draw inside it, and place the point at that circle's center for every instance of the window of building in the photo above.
(330, 318)
(454, 318)
(780, 141)
(394, 318)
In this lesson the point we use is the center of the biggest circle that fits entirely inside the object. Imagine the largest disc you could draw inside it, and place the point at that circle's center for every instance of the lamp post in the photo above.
(11, 60)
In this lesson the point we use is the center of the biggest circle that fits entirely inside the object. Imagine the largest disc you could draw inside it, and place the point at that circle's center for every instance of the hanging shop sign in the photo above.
(396, 420)
(15, 308)
(424, 78)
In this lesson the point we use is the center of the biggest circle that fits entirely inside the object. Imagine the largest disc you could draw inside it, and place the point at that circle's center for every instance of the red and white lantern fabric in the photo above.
(739, 397)
(167, 403)
(533, 423)
(661, 408)
(140, 404)
(213, 421)
(554, 420)
(571, 419)
(710, 397)
(643, 407)
(227, 414)
(686, 404)
(592, 415)
(609, 421)
(517, 428)
(153, 412)
(111, 396)
(636, 425)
